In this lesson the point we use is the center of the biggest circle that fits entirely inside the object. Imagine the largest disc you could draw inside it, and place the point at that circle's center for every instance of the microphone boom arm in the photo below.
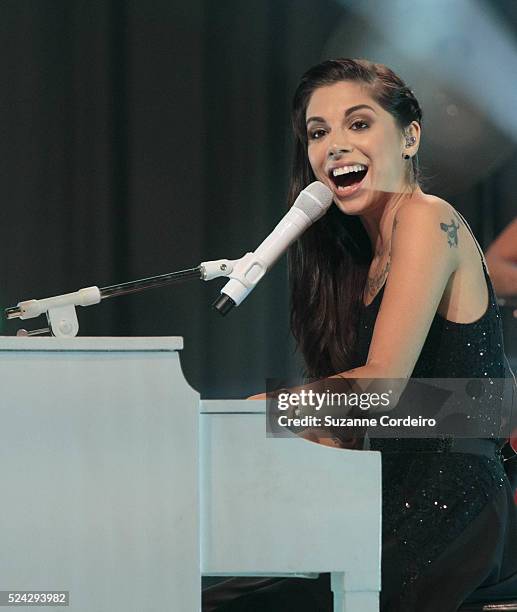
(60, 309)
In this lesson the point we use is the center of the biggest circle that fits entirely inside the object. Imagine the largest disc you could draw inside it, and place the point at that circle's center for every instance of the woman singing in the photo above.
(391, 283)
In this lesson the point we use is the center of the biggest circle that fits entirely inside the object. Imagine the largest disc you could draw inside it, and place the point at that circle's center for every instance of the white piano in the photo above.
(121, 488)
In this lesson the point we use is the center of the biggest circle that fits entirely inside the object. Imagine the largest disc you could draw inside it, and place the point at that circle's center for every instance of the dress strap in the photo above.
(491, 290)
(480, 250)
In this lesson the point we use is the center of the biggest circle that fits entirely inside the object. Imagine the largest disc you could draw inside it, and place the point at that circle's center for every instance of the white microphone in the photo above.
(312, 203)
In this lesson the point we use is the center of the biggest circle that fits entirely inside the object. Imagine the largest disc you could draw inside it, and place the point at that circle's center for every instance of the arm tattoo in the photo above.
(452, 232)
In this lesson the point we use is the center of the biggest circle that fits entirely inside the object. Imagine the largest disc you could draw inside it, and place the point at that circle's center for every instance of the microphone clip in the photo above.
(244, 274)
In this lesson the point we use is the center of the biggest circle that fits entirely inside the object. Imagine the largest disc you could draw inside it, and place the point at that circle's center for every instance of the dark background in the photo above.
(146, 136)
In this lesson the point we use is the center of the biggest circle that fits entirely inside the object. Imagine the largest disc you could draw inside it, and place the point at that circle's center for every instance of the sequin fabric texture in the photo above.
(430, 494)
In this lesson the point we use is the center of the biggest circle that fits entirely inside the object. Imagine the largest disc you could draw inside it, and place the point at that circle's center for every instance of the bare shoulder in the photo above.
(428, 209)
(456, 228)
(465, 296)
(429, 224)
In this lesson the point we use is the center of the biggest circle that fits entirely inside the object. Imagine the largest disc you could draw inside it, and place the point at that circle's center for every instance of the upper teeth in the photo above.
(347, 169)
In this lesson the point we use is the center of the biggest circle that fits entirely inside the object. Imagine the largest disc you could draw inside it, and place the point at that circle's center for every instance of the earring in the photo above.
(410, 141)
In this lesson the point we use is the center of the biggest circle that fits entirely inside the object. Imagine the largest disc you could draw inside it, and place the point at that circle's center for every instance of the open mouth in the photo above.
(347, 176)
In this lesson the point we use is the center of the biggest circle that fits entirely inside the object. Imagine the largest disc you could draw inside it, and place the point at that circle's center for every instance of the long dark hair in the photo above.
(329, 264)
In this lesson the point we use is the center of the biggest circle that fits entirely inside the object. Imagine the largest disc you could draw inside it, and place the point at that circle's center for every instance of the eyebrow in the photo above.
(348, 112)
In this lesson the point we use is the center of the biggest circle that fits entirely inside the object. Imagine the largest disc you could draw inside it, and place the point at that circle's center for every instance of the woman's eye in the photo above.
(316, 134)
(359, 125)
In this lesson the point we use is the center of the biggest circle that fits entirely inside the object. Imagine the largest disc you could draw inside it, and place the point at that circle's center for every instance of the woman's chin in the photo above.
(353, 205)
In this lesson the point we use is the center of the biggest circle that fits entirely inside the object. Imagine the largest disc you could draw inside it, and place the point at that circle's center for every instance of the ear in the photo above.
(413, 130)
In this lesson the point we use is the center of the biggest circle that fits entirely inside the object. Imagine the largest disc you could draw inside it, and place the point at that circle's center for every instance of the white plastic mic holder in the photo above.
(60, 310)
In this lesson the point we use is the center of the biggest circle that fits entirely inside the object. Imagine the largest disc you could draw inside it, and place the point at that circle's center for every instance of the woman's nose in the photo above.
(336, 151)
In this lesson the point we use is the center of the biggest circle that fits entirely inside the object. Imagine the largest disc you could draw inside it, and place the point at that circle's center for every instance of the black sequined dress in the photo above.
(449, 521)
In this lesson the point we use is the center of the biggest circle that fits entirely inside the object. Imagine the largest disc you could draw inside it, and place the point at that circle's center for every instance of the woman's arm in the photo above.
(363, 372)
(424, 254)
(423, 258)
(501, 258)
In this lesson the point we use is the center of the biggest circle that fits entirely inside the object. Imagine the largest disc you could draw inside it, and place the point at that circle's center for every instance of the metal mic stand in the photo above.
(60, 309)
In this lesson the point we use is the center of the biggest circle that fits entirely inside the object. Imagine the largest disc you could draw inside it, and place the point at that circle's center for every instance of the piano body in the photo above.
(122, 488)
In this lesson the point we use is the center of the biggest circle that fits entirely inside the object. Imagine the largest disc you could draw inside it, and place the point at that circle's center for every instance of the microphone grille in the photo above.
(314, 200)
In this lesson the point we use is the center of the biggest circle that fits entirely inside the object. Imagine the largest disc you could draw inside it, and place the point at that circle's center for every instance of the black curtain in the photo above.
(141, 137)
(145, 137)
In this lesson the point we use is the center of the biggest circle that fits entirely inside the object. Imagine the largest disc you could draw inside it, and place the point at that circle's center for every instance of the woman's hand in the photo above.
(322, 436)
(259, 396)
(314, 435)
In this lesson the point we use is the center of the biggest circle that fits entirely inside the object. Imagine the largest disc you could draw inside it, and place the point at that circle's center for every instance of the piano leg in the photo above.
(352, 600)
